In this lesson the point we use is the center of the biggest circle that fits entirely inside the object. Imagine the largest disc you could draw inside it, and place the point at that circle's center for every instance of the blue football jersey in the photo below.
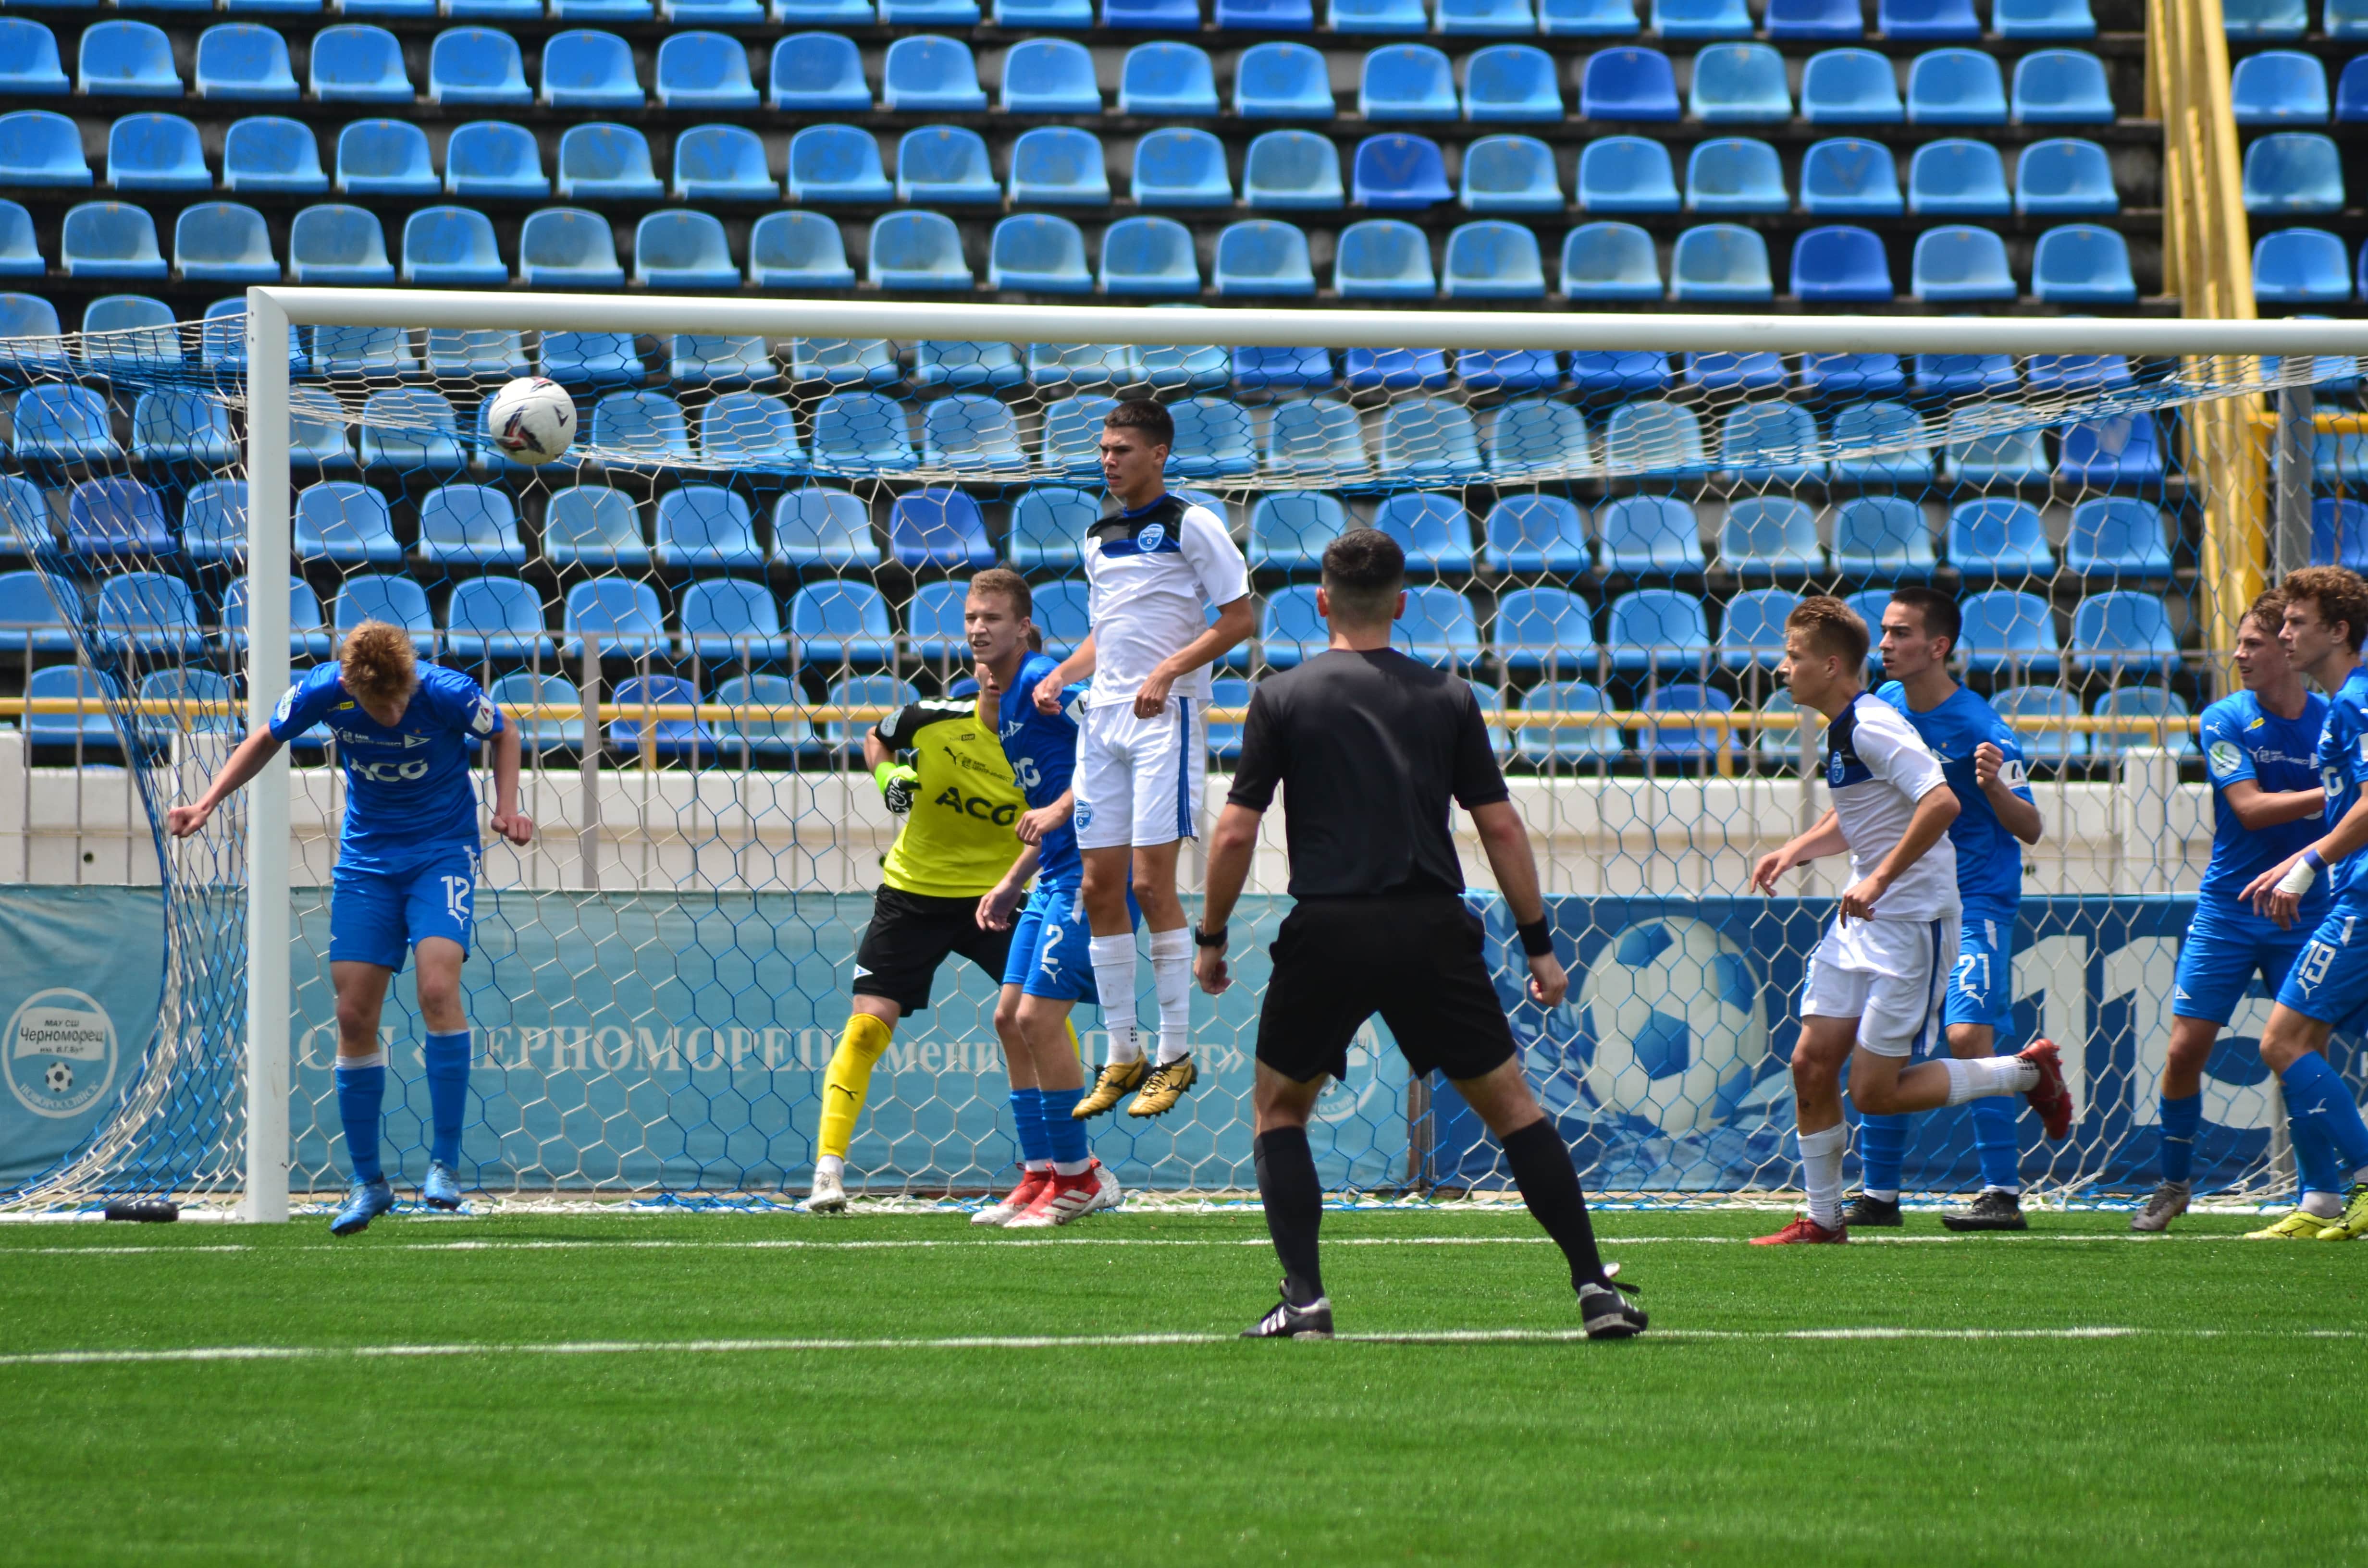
(1990, 858)
(2243, 740)
(408, 791)
(2342, 770)
(1043, 750)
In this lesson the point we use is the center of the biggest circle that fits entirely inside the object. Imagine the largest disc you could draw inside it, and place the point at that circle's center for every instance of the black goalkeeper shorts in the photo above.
(1417, 960)
(910, 935)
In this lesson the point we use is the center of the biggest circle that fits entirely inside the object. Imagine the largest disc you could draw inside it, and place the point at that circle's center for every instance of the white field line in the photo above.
(1096, 1341)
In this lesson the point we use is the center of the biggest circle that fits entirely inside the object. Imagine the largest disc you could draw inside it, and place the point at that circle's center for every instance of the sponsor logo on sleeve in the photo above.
(2224, 758)
(481, 719)
(286, 706)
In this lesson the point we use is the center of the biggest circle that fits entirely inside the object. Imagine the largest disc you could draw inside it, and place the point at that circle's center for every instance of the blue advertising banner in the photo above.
(81, 973)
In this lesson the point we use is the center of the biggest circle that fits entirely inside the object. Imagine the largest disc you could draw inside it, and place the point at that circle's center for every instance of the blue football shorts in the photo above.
(378, 917)
(1981, 983)
(2225, 949)
(1049, 956)
(2330, 978)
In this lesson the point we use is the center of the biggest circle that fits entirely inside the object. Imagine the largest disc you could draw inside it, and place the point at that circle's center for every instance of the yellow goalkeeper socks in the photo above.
(843, 1086)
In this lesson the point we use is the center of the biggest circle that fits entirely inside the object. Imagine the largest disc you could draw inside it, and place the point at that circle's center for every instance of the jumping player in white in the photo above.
(1873, 990)
(1153, 569)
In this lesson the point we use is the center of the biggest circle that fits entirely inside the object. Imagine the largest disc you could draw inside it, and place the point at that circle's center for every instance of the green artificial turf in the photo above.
(2228, 1432)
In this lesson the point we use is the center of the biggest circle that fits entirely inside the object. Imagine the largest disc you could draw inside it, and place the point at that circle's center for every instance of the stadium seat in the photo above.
(933, 622)
(668, 738)
(2292, 172)
(1850, 86)
(825, 71)
(2061, 86)
(1529, 437)
(1406, 80)
(1958, 178)
(1265, 15)
(88, 730)
(1433, 530)
(1720, 262)
(1425, 440)
(481, 66)
(971, 434)
(944, 164)
(116, 239)
(2143, 701)
(1283, 81)
(591, 525)
(1960, 262)
(411, 430)
(832, 164)
(384, 157)
(938, 528)
(1658, 628)
(1226, 691)
(1049, 524)
(1769, 443)
(587, 69)
(2351, 92)
(28, 619)
(1290, 631)
(682, 249)
(38, 148)
(501, 618)
(1648, 537)
(1699, 18)
(590, 358)
(131, 330)
(1493, 260)
(1316, 441)
(1765, 538)
(1626, 174)
(1289, 529)
(1263, 257)
(1980, 450)
(345, 523)
(1398, 173)
(116, 516)
(338, 244)
(2123, 633)
(2082, 264)
(749, 430)
(357, 63)
(126, 58)
(1176, 167)
(568, 248)
(714, 163)
(1752, 636)
(146, 616)
(966, 367)
(362, 350)
(1851, 375)
(1167, 79)
(2065, 176)
(1739, 84)
(821, 529)
(931, 73)
(2043, 18)
(1046, 75)
(1083, 365)
(1510, 82)
(1732, 173)
(599, 162)
(1880, 443)
(1037, 253)
(1376, 16)
(620, 615)
(1956, 87)
(2266, 19)
(1213, 441)
(1655, 437)
(2279, 86)
(704, 526)
(20, 252)
(641, 430)
(1292, 171)
(1071, 444)
(492, 158)
(798, 250)
(146, 151)
(861, 432)
(2077, 372)
(1394, 370)
(182, 427)
(1609, 262)
(929, 13)
(29, 66)
(2345, 18)
(2117, 536)
(917, 250)
(1544, 629)
(1840, 263)
(1383, 258)
(1998, 538)
(1919, 20)
(474, 525)
(1509, 173)
(2338, 533)
(1684, 744)
(703, 70)
(1814, 22)
(1536, 533)
(1627, 84)
(1155, 15)
(1486, 18)
(1882, 539)
(2006, 631)
(1437, 627)
(1545, 744)
(187, 685)
(1964, 375)
(1849, 178)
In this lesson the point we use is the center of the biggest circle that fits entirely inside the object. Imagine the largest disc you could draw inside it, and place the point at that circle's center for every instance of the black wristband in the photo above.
(1537, 939)
(1215, 939)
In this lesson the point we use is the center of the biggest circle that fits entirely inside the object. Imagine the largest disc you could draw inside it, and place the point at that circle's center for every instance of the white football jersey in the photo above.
(1151, 576)
(1877, 767)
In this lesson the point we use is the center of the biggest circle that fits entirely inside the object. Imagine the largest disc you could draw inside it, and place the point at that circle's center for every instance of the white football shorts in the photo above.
(1140, 781)
(1891, 975)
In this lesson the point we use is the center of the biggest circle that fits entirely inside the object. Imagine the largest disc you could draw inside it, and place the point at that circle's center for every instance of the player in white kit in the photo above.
(1875, 986)
(1154, 569)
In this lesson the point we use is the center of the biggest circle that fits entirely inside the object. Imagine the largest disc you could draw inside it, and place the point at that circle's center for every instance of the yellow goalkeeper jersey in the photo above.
(958, 840)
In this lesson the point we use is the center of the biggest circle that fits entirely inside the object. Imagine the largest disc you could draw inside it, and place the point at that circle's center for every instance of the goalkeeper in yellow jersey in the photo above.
(960, 803)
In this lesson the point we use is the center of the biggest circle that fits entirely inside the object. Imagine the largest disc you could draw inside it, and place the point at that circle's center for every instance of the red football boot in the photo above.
(1802, 1231)
(1031, 1183)
(2051, 1096)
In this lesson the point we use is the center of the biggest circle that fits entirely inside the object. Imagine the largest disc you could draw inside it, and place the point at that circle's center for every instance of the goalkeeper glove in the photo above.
(896, 784)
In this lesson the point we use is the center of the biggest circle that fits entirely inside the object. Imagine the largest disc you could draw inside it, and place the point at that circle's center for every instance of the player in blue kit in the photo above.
(2259, 749)
(1050, 968)
(406, 879)
(2325, 619)
(1983, 765)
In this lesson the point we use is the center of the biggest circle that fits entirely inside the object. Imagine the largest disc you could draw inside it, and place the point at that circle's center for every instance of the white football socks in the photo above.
(1978, 1077)
(1171, 976)
(829, 1164)
(1113, 961)
(1821, 1174)
(2322, 1205)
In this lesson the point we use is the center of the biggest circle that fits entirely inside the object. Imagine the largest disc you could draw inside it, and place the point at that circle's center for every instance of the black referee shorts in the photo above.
(1417, 961)
(910, 935)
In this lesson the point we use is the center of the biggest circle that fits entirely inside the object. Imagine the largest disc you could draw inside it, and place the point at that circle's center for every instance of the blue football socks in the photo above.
(2181, 1118)
(1066, 1133)
(1996, 1144)
(361, 1093)
(448, 1094)
(1027, 1116)
(2315, 1161)
(1882, 1147)
(2317, 1094)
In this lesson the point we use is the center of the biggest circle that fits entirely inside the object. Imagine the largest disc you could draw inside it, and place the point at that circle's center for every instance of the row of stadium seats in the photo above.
(2283, 86)
(1181, 167)
(2253, 20)
(152, 614)
(246, 61)
(816, 528)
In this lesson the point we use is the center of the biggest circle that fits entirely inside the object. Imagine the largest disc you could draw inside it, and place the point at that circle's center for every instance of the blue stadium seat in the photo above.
(1433, 530)
(480, 65)
(1720, 262)
(190, 685)
(146, 616)
(1426, 441)
(2123, 633)
(668, 738)
(798, 250)
(473, 525)
(1841, 261)
(384, 157)
(1772, 442)
(971, 434)
(944, 164)
(2043, 18)
(345, 523)
(1733, 174)
(938, 528)
(590, 358)
(966, 367)
(115, 516)
(30, 64)
(222, 242)
(2294, 172)
(1700, 18)
(569, 247)
(1684, 744)
(2119, 536)
(1037, 253)
(1265, 15)
(705, 526)
(1289, 529)
(587, 68)
(2007, 630)
(340, 245)
(1509, 173)
(1492, 260)
(1544, 629)
(1752, 636)
(408, 430)
(2078, 372)
(1394, 370)
(358, 350)
(1765, 538)
(1980, 451)
(1814, 22)
(126, 58)
(1049, 75)
(497, 618)
(824, 71)
(1226, 740)
(1486, 18)
(1057, 165)
(1882, 539)
(149, 152)
(1850, 86)
(600, 162)
(1536, 533)
(2345, 18)
(1156, 16)
(1655, 437)
(1383, 258)
(1316, 441)
(2266, 19)
(917, 250)
(131, 330)
(2279, 86)
(1609, 261)
(1071, 445)
(1851, 375)
(1958, 178)
(1437, 627)
(681, 249)
(1964, 375)
(1960, 262)
(751, 431)
(1376, 16)
(2338, 533)
(928, 13)
(1849, 178)
(1174, 167)
(88, 730)
(111, 239)
(1956, 87)
(20, 252)
(492, 158)
(861, 432)
(1406, 80)
(1282, 81)
(836, 163)
(1510, 82)
(1149, 257)
(703, 70)
(714, 163)
(1265, 256)
(1739, 84)
(1626, 174)
(1648, 537)
(1935, 19)
(933, 622)
(243, 60)
(38, 148)
(2147, 701)
(1627, 84)
(1167, 79)
(1290, 631)
(1081, 365)
(1998, 538)
(816, 528)
(1898, 450)
(1546, 745)
(1049, 524)
(2065, 176)
(620, 615)
(2061, 87)
(2082, 264)
(1292, 171)
(1213, 441)
(182, 427)
(1658, 628)
(357, 63)
(2351, 92)
(591, 525)
(28, 617)
(1519, 371)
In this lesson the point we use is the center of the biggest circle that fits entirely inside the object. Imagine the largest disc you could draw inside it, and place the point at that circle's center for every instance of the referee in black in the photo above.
(1369, 748)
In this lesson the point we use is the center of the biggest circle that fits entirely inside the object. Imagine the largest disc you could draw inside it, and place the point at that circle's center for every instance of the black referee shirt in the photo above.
(1368, 748)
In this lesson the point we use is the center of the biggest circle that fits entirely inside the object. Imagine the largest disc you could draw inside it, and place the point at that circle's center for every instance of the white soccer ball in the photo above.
(1673, 1009)
(59, 1078)
(532, 420)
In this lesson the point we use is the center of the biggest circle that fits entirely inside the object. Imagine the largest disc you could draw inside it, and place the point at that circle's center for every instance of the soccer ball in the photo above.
(532, 420)
(1672, 1009)
(59, 1078)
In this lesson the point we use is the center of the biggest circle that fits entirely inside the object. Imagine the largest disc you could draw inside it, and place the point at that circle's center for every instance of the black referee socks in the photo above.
(1294, 1207)
(1549, 1185)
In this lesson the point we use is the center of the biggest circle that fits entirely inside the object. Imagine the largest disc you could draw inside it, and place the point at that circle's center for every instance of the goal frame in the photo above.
(273, 310)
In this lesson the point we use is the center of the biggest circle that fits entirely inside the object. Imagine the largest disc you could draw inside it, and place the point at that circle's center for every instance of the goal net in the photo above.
(758, 546)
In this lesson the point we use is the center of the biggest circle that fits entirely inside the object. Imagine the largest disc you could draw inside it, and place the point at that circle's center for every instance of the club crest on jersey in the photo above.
(1836, 769)
(1084, 818)
(2222, 756)
(1153, 536)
